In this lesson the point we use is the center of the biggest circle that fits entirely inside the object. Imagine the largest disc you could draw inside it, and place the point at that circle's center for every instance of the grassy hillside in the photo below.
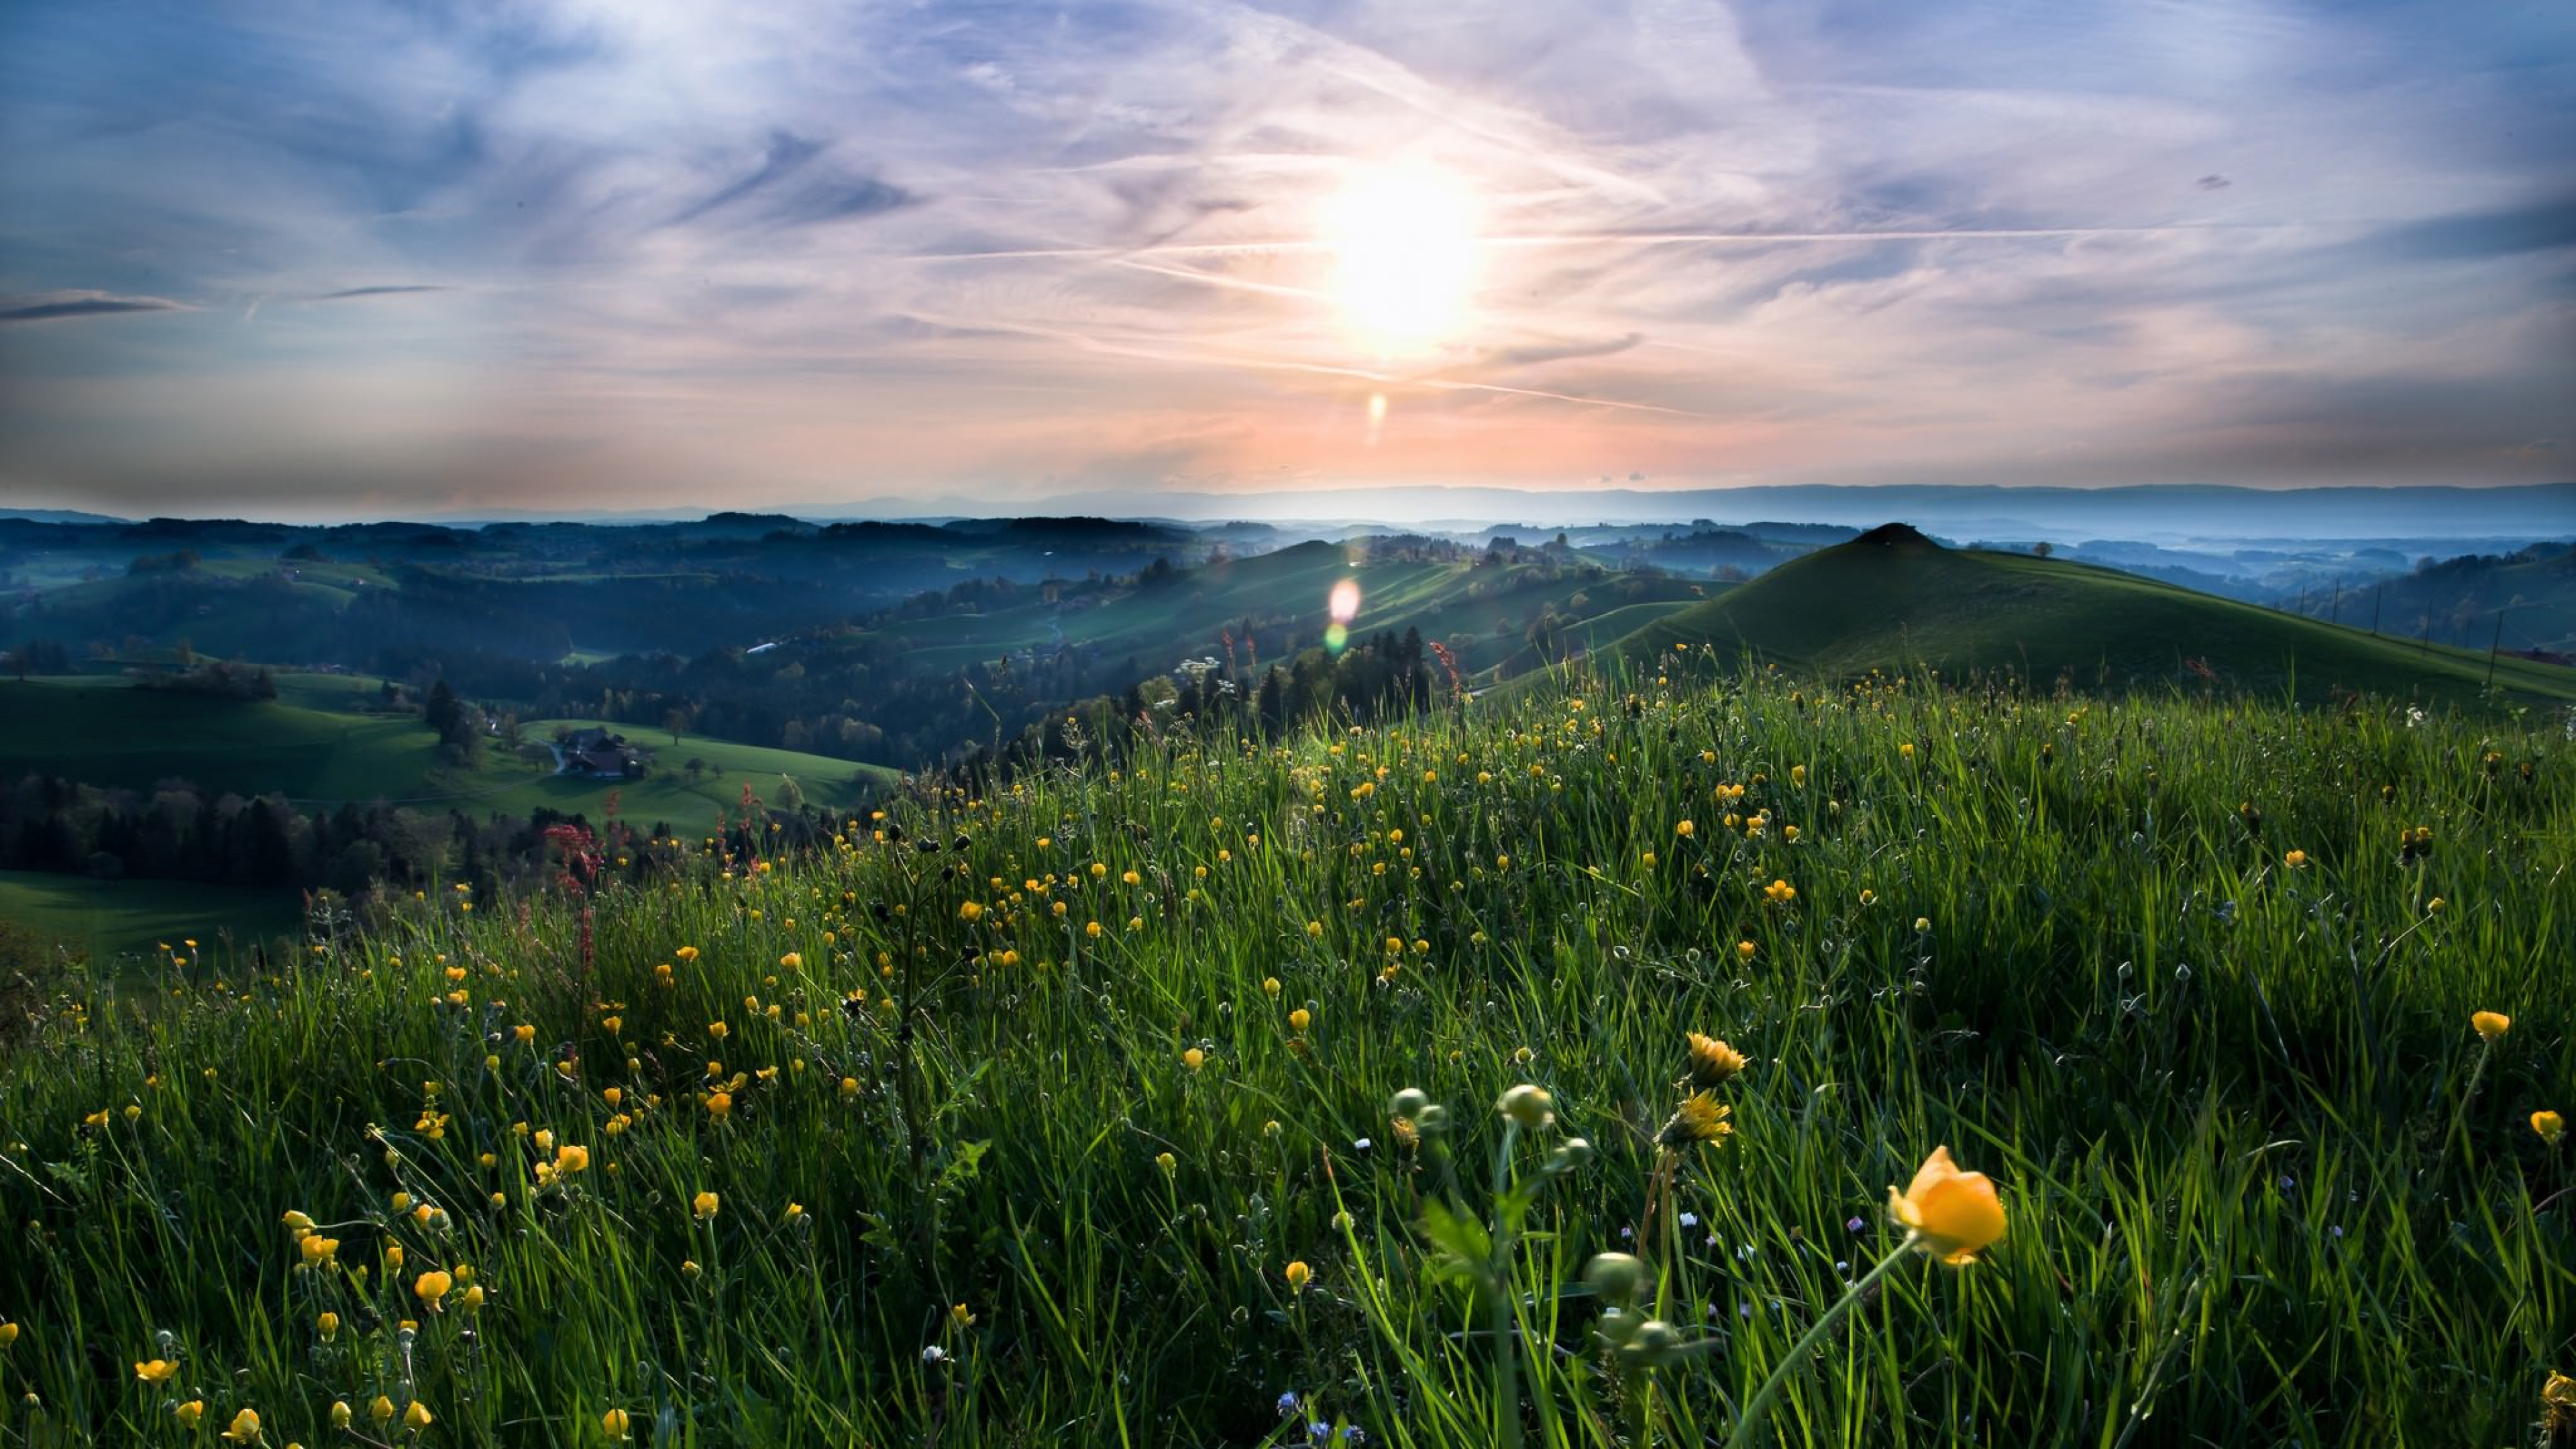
(315, 744)
(108, 921)
(1082, 1124)
(1893, 600)
(1488, 604)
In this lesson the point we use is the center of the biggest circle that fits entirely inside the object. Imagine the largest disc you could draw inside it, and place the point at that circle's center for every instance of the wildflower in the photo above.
(704, 1204)
(525, 1034)
(719, 1104)
(687, 953)
(2491, 1024)
(245, 1429)
(1744, 950)
(1270, 984)
(341, 1414)
(329, 1324)
(613, 1424)
(381, 1410)
(416, 1418)
(1685, 830)
(1167, 1162)
(1779, 893)
(1948, 1213)
(1712, 1061)
(1300, 1019)
(190, 1412)
(1700, 1118)
(432, 1286)
(8, 1334)
(157, 1371)
(849, 1088)
(318, 1249)
(958, 1315)
(472, 1298)
(2296, 860)
(718, 1030)
(1298, 1275)
(1194, 1059)
(970, 912)
(569, 1158)
(2558, 1409)
(96, 1119)
(2549, 1125)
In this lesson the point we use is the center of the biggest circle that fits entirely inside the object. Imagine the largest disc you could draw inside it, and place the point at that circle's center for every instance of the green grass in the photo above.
(1892, 603)
(2263, 1183)
(113, 921)
(313, 745)
(1186, 618)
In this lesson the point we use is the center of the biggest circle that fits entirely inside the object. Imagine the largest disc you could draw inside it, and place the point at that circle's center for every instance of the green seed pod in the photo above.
(1528, 1106)
(1615, 1276)
(1409, 1104)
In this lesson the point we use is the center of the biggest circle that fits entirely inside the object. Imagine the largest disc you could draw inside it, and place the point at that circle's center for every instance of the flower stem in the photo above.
(1758, 1411)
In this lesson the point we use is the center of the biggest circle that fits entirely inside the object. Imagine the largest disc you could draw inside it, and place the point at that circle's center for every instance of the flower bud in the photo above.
(1615, 1276)
(1527, 1106)
(1408, 1104)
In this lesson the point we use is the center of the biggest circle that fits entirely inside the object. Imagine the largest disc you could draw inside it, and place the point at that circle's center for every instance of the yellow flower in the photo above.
(2296, 860)
(1685, 829)
(1298, 1276)
(329, 1324)
(1779, 893)
(245, 1429)
(1744, 950)
(318, 1249)
(1700, 1118)
(8, 1334)
(704, 1205)
(1270, 984)
(525, 1034)
(416, 1418)
(431, 1287)
(1949, 1213)
(1167, 1162)
(2558, 1408)
(2549, 1125)
(1194, 1059)
(613, 1424)
(687, 953)
(970, 912)
(340, 1414)
(190, 1412)
(958, 1315)
(1712, 1061)
(382, 1409)
(2491, 1024)
(569, 1158)
(717, 1029)
(473, 1298)
(1300, 1019)
(719, 1104)
(157, 1371)
(96, 1119)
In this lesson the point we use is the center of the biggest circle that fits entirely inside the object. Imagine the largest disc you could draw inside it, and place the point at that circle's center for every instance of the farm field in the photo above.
(313, 745)
(1102, 1110)
(125, 921)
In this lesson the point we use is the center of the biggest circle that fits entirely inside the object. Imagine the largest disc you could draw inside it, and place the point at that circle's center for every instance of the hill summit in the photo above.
(1902, 536)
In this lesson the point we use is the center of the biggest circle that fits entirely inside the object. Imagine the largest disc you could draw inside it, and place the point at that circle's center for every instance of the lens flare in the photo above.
(1336, 638)
(1344, 605)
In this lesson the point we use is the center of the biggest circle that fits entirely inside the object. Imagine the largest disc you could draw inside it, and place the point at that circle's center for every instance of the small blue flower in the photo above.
(1288, 1404)
(1857, 1225)
(1690, 1220)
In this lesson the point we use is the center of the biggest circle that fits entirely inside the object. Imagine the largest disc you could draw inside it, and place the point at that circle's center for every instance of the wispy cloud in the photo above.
(58, 306)
(817, 248)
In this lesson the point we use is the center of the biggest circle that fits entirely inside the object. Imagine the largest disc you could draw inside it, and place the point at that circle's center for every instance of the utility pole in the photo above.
(2376, 594)
(2493, 645)
(2335, 615)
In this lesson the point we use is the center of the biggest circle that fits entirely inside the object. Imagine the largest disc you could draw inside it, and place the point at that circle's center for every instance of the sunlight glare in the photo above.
(1403, 241)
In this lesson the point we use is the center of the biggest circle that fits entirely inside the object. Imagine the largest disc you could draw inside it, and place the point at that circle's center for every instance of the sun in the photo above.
(1403, 242)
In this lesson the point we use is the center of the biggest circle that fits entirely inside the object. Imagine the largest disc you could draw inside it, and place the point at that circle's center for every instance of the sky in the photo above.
(358, 258)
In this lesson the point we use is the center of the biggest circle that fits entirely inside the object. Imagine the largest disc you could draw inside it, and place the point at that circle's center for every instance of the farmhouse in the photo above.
(599, 755)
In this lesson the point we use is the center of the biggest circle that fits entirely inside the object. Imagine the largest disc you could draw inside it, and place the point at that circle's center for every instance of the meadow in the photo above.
(1186, 1098)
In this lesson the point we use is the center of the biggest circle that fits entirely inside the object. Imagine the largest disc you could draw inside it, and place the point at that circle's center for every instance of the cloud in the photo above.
(58, 306)
(1870, 240)
(350, 293)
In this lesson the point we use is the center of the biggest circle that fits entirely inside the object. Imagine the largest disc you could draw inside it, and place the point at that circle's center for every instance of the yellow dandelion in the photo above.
(1194, 1059)
(704, 1205)
(1700, 1118)
(1712, 1061)
(2491, 1024)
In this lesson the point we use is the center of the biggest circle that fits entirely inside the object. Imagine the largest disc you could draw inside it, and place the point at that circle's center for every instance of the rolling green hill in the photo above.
(110, 920)
(314, 745)
(1893, 599)
(1483, 606)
